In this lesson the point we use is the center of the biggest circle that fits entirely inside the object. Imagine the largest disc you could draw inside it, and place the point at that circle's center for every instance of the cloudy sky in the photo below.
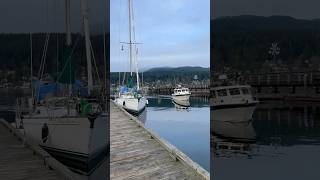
(172, 32)
(18, 16)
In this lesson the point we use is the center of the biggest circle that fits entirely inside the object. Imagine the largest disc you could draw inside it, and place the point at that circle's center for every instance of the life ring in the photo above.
(44, 133)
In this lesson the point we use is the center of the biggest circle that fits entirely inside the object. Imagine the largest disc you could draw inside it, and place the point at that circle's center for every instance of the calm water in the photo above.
(187, 129)
(282, 142)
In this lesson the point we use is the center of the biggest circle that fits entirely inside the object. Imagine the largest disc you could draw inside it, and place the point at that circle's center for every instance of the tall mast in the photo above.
(85, 16)
(31, 65)
(104, 59)
(68, 22)
(130, 38)
(68, 35)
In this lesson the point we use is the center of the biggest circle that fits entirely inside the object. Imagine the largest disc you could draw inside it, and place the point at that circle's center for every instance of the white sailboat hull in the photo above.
(72, 139)
(132, 105)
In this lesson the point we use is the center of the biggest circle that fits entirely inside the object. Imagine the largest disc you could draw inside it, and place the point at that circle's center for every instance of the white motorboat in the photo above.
(234, 103)
(181, 94)
(130, 97)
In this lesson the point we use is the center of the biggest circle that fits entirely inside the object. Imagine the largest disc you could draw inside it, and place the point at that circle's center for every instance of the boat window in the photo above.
(245, 90)
(234, 91)
(222, 92)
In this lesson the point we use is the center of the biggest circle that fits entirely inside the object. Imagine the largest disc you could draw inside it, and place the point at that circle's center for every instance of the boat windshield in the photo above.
(245, 90)
(234, 91)
(222, 92)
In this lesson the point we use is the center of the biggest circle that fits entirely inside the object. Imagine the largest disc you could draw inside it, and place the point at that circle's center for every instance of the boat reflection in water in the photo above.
(234, 131)
(279, 134)
(181, 105)
(187, 128)
(232, 138)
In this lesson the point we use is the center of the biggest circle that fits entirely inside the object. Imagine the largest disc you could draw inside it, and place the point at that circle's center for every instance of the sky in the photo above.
(301, 9)
(173, 33)
(24, 16)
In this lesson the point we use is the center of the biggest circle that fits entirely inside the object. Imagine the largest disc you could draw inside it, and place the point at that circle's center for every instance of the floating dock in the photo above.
(20, 159)
(138, 153)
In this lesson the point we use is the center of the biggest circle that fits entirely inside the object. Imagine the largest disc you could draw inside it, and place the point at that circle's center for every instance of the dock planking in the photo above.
(137, 153)
(19, 162)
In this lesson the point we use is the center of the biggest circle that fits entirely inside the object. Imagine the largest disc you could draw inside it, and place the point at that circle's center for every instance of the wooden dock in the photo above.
(21, 159)
(137, 153)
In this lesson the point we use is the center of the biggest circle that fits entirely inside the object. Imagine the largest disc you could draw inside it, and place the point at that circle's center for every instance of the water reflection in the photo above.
(181, 105)
(143, 116)
(187, 128)
(279, 136)
(234, 131)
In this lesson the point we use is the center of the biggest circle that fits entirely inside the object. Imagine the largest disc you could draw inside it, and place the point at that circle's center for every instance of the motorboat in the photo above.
(181, 94)
(232, 103)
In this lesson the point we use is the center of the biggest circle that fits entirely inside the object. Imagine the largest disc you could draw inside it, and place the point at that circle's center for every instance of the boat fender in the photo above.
(44, 133)
(92, 118)
(124, 103)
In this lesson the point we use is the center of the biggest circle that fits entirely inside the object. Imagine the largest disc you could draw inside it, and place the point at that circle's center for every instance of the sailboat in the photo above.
(71, 127)
(130, 97)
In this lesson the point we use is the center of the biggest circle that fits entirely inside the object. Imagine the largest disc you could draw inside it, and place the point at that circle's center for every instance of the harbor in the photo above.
(136, 152)
(158, 129)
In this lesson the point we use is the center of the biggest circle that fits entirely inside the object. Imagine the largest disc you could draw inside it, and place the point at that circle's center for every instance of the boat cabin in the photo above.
(237, 94)
(231, 91)
(181, 91)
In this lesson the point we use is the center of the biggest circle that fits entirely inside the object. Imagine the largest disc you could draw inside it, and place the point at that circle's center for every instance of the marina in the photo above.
(136, 152)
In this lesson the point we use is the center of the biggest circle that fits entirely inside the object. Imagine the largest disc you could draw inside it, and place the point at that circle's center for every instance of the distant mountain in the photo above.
(243, 42)
(178, 69)
(254, 23)
(167, 74)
